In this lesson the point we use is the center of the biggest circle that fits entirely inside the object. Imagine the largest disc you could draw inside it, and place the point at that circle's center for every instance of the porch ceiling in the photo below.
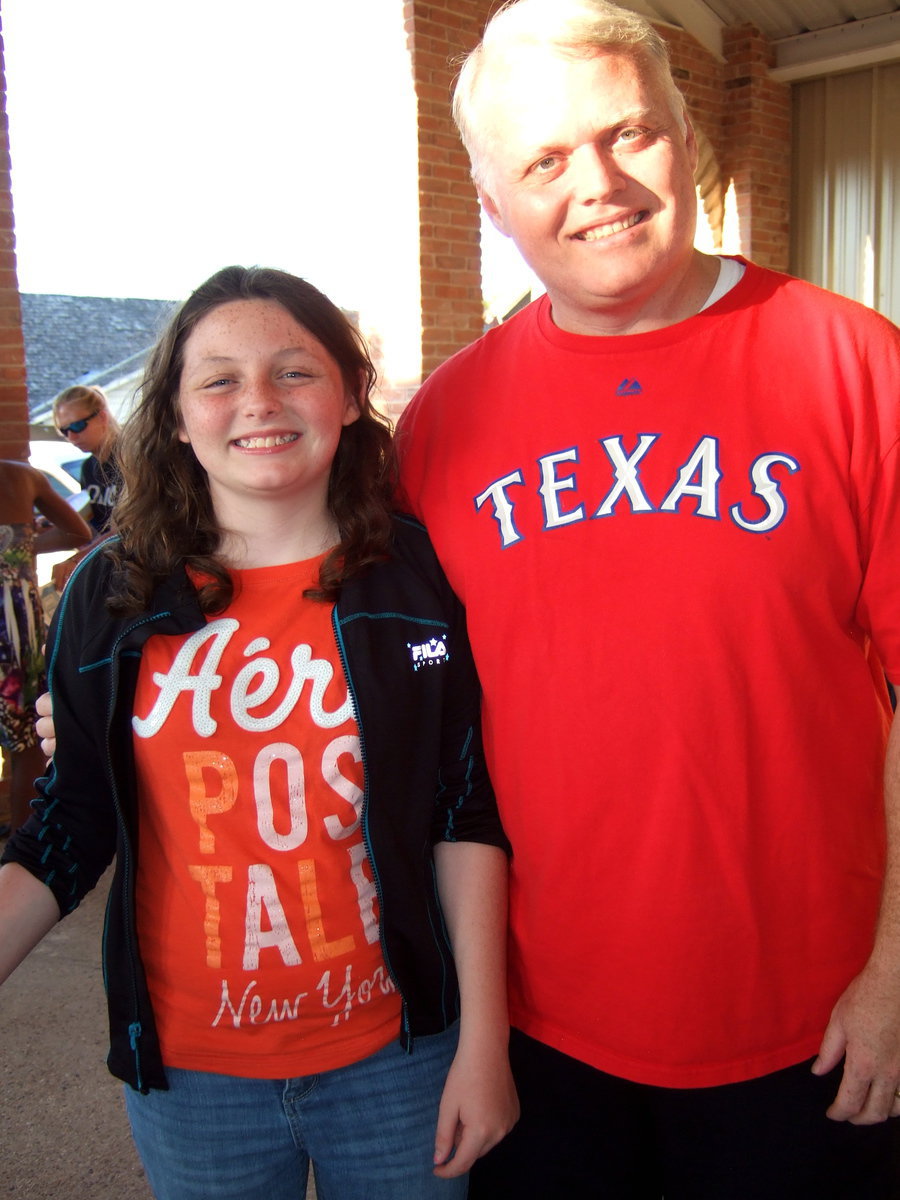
(811, 37)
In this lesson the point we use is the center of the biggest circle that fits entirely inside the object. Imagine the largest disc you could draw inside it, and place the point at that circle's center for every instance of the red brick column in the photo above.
(757, 139)
(747, 118)
(13, 392)
(449, 240)
(700, 79)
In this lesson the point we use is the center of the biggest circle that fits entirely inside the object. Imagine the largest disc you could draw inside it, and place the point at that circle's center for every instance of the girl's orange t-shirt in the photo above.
(256, 906)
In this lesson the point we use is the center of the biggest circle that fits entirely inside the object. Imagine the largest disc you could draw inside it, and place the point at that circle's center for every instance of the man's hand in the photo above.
(61, 571)
(865, 1030)
(44, 726)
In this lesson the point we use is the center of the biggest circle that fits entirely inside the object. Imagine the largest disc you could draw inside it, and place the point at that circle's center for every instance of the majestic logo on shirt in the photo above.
(427, 654)
(629, 387)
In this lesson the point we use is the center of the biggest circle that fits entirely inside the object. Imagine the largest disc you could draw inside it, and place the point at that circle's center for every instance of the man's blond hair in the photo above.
(581, 28)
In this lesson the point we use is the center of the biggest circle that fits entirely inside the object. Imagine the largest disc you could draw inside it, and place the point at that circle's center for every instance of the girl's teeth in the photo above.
(265, 443)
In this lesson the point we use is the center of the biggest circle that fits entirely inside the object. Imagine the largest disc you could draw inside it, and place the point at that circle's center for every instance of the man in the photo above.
(667, 493)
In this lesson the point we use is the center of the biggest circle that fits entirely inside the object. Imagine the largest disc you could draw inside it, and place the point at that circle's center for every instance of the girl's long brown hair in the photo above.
(165, 518)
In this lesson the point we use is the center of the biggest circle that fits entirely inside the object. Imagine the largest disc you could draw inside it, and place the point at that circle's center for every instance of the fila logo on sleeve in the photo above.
(428, 654)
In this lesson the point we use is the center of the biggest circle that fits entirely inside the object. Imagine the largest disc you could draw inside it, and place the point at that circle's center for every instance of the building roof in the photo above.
(84, 339)
(810, 37)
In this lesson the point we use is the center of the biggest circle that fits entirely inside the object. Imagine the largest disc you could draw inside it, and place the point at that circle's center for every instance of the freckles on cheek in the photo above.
(195, 427)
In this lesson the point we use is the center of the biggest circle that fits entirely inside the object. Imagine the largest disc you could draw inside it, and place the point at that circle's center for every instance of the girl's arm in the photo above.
(479, 1104)
(27, 911)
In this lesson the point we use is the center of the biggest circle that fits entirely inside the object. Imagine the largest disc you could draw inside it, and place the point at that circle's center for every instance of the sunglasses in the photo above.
(78, 426)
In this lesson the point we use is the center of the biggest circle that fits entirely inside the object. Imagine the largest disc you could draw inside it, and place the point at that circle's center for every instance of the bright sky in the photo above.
(155, 142)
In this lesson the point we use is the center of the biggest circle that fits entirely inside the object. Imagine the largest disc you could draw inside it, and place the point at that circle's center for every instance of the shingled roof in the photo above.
(83, 339)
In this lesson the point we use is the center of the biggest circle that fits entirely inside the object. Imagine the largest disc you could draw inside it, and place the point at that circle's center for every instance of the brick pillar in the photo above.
(699, 77)
(747, 118)
(13, 392)
(757, 137)
(449, 223)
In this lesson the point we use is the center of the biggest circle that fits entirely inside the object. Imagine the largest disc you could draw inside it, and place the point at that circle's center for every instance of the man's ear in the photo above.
(490, 206)
(690, 140)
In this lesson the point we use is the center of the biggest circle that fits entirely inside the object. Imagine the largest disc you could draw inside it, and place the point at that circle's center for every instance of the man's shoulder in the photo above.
(789, 293)
(459, 383)
(501, 339)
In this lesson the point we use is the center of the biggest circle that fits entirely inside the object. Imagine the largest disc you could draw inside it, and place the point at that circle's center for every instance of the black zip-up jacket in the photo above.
(402, 640)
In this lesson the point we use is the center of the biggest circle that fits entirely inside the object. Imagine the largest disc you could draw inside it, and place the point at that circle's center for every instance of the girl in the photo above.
(274, 727)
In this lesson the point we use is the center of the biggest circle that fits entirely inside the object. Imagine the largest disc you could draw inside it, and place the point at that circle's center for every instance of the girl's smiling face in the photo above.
(262, 404)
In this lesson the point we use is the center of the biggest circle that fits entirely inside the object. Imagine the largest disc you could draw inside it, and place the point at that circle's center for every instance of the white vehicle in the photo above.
(61, 463)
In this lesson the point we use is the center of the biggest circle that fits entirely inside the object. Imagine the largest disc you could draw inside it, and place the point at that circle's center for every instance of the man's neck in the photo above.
(683, 295)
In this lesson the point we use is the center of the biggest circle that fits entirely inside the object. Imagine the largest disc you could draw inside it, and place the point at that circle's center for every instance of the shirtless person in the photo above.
(22, 490)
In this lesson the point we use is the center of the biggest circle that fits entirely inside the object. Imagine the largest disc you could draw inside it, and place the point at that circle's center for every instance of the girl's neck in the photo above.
(105, 449)
(281, 537)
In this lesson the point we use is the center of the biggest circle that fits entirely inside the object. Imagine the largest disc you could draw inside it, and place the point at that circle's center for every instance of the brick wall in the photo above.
(747, 118)
(439, 31)
(757, 126)
(13, 392)
(744, 115)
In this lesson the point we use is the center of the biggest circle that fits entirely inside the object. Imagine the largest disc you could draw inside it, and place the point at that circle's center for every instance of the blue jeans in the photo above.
(368, 1129)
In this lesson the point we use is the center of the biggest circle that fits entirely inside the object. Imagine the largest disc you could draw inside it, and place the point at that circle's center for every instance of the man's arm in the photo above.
(44, 726)
(865, 1023)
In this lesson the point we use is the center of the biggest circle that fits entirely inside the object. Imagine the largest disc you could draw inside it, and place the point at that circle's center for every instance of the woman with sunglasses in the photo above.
(81, 415)
(273, 724)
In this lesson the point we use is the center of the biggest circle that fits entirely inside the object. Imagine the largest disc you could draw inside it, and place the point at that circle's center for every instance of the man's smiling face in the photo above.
(588, 167)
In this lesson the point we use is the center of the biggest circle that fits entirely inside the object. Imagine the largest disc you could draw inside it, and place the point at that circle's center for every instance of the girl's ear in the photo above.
(182, 432)
(353, 406)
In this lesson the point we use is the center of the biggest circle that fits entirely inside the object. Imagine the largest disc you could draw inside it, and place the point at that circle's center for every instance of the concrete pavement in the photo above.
(62, 1120)
(63, 1129)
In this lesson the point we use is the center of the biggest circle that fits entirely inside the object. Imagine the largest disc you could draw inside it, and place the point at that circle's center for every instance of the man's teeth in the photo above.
(265, 443)
(602, 231)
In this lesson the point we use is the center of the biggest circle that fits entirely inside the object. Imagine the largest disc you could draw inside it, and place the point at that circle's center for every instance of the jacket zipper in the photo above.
(135, 1029)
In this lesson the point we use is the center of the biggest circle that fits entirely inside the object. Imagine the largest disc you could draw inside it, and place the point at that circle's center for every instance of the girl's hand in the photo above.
(479, 1107)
